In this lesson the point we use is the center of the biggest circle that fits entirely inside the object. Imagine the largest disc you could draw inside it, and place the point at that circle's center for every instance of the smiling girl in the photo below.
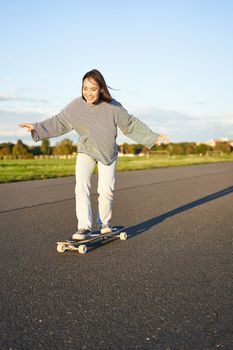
(95, 116)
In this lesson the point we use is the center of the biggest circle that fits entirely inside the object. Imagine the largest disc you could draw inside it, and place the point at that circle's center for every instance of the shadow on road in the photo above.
(146, 225)
(135, 230)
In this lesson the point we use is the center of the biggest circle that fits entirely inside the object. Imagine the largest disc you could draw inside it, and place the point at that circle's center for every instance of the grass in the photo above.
(32, 169)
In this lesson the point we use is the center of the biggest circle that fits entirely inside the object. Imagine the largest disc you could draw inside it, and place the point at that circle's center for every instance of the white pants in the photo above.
(106, 180)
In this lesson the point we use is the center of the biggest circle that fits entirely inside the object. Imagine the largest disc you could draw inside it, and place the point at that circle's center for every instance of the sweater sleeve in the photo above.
(136, 129)
(57, 125)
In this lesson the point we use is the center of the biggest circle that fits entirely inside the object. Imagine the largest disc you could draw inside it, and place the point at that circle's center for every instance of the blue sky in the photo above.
(170, 62)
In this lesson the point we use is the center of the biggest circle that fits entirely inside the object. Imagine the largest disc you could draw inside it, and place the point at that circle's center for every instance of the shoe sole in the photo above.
(81, 238)
(106, 230)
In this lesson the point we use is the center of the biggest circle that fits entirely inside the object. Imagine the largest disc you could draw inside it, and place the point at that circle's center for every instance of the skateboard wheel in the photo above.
(61, 248)
(82, 249)
(123, 236)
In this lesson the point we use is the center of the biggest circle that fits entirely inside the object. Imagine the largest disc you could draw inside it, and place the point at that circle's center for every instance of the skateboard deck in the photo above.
(81, 246)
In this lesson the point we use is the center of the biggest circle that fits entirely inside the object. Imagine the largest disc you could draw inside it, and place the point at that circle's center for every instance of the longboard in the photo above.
(81, 246)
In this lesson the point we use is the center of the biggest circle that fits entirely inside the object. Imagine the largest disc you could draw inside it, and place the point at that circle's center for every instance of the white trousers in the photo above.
(106, 180)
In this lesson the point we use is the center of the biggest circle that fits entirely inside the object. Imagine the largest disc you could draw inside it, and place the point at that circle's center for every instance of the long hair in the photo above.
(99, 79)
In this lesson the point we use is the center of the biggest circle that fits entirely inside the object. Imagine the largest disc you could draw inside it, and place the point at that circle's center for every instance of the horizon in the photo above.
(63, 137)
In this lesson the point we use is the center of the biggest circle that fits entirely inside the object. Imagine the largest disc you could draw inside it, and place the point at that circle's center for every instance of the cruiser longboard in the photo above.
(81, 246)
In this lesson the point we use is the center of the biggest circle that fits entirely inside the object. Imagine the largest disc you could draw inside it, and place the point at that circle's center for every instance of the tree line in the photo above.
(21, 150)
(67, 147)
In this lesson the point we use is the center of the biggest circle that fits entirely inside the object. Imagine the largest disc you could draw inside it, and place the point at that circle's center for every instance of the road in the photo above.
(169, 286)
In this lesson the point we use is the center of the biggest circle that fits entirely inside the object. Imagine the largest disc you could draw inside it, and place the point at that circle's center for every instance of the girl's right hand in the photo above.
(27, 126)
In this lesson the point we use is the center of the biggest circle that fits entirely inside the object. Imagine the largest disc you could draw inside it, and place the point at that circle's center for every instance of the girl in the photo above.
(95, 116)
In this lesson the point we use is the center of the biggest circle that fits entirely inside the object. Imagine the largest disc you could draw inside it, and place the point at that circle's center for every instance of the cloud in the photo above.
(10, 114)
(15, 97)
(181, 126)
(10, 118)
(10, 130)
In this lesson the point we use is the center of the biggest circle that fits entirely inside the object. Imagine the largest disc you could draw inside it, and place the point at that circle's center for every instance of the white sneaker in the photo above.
(81, 234)
(106, 229)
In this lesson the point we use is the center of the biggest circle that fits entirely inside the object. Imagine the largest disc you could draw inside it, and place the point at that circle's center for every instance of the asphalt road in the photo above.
(169, 286)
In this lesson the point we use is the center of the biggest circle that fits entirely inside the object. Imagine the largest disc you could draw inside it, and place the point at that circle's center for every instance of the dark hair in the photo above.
(99, 79)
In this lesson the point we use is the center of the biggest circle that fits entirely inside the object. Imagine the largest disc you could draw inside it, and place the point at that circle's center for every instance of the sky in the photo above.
(169, 62)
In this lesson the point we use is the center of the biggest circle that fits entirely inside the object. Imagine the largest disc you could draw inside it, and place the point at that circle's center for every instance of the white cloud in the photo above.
(10, 118)
(16, 97)
(181, 126)
(26, 111)
(11, 130)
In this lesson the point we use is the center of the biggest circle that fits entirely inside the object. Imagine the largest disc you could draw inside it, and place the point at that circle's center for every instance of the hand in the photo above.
(27, 126)
(162, 139)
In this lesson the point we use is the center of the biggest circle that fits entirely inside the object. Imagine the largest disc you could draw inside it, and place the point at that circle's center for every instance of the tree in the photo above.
(21, 151)
(202, 148)
(138, 149)
(127, 148)
(35, 150)
(6, 149)
(223, 147)
(45, 147)
(65, 147)
(176, 148)
(190, 148)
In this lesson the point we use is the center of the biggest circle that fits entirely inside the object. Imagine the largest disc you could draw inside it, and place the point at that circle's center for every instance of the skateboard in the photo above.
(81, 246)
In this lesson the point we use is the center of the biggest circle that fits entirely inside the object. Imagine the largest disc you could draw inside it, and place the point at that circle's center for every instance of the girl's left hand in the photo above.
(162, 139)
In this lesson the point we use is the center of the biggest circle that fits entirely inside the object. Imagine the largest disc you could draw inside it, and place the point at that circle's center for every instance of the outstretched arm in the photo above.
(136, 129)
(51, 127)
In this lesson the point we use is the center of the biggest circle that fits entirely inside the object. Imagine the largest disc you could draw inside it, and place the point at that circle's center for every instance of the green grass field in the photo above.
(32, 169)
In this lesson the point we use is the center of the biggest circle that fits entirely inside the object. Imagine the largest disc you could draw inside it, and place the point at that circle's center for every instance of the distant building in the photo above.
(213, 142)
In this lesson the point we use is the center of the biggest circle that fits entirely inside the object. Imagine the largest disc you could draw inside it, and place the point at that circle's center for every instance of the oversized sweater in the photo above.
(96, 125)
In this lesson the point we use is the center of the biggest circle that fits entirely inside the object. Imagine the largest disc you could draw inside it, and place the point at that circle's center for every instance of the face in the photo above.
(91, 90)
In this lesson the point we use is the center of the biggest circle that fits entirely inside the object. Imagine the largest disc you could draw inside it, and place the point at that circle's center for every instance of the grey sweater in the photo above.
(96, 125)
